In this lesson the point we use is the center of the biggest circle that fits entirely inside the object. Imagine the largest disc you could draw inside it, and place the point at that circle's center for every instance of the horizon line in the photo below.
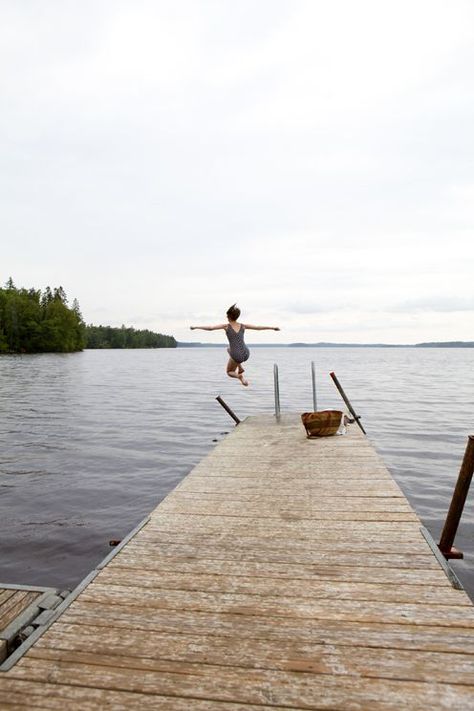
(331, 344)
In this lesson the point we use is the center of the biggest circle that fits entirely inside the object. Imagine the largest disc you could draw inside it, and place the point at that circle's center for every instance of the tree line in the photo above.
(35, 321)
(126, 337)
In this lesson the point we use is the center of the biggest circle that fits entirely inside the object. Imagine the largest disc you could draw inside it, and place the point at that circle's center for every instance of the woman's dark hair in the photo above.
(233, 312)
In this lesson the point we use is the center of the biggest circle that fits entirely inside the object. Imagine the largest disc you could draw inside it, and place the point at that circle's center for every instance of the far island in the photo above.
(434, 344)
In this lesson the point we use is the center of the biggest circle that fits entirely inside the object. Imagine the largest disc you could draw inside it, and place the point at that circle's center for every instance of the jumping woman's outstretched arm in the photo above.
(208, 328)
(261, 328)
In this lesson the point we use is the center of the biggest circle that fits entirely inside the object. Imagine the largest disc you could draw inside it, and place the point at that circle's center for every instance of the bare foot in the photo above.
(243, 381)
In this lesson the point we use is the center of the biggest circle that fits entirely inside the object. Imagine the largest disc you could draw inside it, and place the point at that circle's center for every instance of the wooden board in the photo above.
(282, 573)
(12, 604)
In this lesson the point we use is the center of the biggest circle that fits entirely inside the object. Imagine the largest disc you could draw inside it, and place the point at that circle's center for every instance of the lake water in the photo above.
(91, 442)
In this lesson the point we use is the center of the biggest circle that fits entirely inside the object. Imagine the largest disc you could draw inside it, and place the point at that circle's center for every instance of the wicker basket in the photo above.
(322, 424)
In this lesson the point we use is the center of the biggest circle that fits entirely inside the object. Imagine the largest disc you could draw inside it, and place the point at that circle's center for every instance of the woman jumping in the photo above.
(237, 350)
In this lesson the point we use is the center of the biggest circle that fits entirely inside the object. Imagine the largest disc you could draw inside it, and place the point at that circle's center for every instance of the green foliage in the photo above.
(35, 322)
(109, 337)
(32, 321)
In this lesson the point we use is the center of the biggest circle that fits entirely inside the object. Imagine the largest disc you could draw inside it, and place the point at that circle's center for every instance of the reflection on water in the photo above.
(91, 442)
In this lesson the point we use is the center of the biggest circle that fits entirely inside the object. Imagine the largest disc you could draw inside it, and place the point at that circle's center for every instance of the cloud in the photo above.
(435, 304)
(164, 159)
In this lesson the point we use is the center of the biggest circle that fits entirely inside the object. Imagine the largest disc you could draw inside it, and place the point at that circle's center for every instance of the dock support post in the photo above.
(457, 503)
(276, 386)
(346, 400)
(227, 409)
(313, 379)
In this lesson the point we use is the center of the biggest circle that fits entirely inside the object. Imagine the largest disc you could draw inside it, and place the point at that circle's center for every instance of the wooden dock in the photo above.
(282, 573)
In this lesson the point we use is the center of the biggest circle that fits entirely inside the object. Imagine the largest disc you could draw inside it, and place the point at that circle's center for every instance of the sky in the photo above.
(311, 161)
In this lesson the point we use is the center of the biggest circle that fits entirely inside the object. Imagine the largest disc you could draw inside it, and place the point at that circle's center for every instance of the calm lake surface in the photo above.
(91, 442)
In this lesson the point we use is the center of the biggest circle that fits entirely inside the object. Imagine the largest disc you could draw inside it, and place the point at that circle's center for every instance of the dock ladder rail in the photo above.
(276, 388)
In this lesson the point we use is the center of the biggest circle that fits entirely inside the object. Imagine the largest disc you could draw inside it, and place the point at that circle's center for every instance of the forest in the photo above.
(126, 337)
(35, 321)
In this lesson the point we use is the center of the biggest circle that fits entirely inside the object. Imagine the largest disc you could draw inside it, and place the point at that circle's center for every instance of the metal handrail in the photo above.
(276, 388)
(313, 380)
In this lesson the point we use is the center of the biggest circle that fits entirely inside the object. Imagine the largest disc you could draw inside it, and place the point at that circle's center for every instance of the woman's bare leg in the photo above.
(231, 369)
(235, 370)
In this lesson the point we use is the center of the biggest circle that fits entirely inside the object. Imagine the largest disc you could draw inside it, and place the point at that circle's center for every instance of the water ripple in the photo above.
(91, 442)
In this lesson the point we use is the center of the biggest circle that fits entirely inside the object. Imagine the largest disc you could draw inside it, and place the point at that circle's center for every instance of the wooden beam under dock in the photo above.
(282, 573)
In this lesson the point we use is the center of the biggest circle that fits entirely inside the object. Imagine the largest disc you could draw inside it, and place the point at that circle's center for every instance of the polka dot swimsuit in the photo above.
(237, 349)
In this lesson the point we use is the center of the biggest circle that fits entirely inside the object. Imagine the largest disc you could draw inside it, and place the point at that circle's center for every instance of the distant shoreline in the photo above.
(434, 344)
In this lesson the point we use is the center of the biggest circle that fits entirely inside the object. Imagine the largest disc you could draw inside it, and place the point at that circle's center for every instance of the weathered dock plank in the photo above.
(214, 626)
(288, 655)
(240, 685)
(268, 586)
(281, 573)
(12, 602)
